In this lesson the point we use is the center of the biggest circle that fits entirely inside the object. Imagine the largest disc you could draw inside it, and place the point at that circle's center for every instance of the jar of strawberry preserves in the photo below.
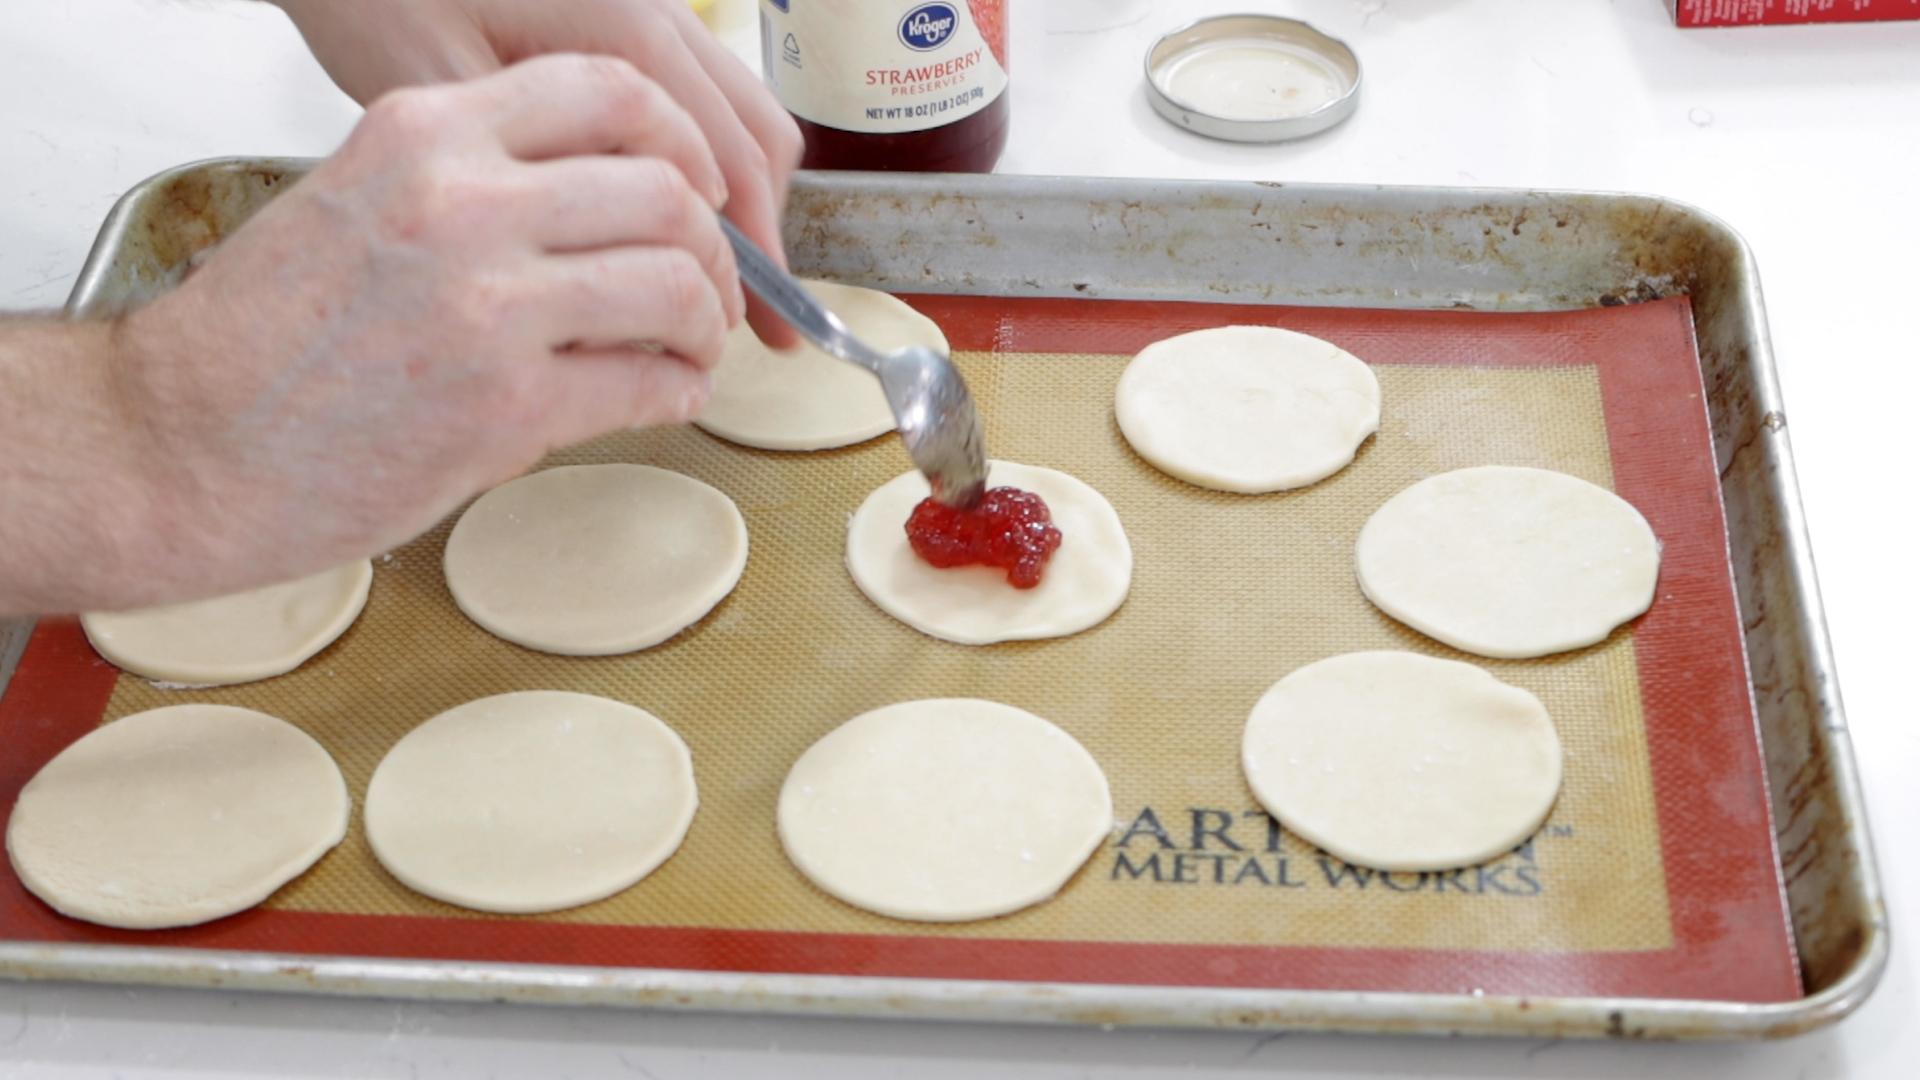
(891, 84)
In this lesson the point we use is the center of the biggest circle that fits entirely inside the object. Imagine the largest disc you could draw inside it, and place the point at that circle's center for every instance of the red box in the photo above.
(1692, 13)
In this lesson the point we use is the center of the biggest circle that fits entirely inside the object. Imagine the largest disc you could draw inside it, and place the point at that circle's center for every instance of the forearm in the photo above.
(78, 528)
(370, 47)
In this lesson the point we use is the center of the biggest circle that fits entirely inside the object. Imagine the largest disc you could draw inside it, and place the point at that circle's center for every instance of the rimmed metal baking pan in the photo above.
(1315, 245)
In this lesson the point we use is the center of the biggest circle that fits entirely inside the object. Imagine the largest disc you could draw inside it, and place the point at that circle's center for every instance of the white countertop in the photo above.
(1805, 139)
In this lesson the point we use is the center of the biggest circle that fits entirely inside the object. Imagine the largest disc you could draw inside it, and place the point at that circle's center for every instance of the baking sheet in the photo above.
(1655, 876)
(1395, 248)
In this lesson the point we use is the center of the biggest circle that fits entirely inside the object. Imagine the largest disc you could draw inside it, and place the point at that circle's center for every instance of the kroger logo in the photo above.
(927, 26)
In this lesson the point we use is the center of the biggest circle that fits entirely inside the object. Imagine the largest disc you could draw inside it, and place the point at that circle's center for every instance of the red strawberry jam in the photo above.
(1011, 530)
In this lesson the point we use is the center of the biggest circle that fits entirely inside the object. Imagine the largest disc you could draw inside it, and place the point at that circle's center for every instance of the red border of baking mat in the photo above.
(1730, 935)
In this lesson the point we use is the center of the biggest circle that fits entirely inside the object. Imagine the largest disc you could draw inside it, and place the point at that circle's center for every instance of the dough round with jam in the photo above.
(803, 399)
(176, 816)
(1247, 408)
(1086, 580)
(595, 560)
(1509, 562)
(944, 810)
(1403, 762)
(531, 801)
(237, 638)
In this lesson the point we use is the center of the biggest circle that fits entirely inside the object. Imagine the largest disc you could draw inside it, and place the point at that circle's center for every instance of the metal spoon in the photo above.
(928, 397)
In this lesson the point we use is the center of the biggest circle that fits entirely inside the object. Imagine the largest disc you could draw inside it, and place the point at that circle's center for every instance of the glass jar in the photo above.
(891, 84)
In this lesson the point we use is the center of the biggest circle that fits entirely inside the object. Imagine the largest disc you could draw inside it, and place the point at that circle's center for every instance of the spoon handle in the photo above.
(785, 295)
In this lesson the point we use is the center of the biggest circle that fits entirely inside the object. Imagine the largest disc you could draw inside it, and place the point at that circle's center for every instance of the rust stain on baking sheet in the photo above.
(1647, 246)
(1813, 838)
(195, 210)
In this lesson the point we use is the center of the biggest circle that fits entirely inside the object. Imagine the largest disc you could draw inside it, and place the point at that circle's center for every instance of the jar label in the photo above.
(884, 65)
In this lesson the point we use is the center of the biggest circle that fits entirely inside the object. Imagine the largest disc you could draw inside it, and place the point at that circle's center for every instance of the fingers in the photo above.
(746, 166)
(658, 295)
(755, 105)
(595, 203)
(593, 392)
(780, 145)
(561, 106)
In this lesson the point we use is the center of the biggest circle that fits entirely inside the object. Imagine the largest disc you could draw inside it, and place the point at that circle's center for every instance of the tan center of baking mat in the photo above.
(1229, 594)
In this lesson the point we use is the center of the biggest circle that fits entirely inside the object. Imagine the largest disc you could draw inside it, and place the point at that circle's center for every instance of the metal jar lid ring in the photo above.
(1252, 78)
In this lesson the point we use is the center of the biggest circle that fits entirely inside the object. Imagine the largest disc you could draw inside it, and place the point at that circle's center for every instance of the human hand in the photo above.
(373, 46)
(436, 306)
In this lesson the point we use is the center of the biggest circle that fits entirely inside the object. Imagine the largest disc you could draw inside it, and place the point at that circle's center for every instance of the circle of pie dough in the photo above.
(1085, 581)
(1247, 408)
(944, 810)
(176, 816)
(531, 801)
(1509, 562)
(1403, 762)
(593, 560)
(803, 399)
(234, 639)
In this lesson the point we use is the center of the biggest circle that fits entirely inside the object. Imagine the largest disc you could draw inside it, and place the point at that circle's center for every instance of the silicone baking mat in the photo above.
(1655, 876)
